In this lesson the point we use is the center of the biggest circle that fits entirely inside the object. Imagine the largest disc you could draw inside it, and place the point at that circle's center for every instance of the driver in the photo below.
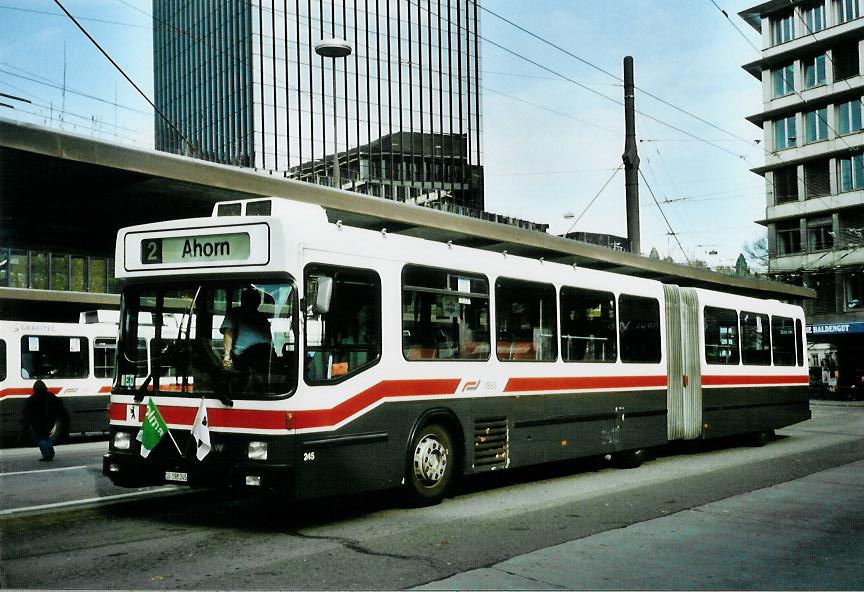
(244, 328)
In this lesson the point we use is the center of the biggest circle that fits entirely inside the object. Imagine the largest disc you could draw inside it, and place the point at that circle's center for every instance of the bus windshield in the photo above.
(228, 340)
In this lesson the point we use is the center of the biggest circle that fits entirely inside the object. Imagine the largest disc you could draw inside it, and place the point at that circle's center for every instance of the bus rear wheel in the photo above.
(432, 464)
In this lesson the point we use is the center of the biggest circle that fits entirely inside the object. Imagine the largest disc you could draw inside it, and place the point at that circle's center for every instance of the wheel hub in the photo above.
(430, 460)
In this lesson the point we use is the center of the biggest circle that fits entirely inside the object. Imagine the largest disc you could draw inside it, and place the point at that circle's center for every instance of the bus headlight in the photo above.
(257, 451)
(122, 440)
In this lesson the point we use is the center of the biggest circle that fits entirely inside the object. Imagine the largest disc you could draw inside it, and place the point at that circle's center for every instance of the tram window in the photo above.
(54, 356)
(105, 357)
(343, 332)
(639, 329)
(755, 339)
(783, 341)
(525, 321)
(587, 325)
(2, 360)
(445, 315)
(721, 336)
(799, 342)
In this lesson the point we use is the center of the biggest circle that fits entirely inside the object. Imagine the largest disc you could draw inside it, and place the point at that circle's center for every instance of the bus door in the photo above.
(684, 390)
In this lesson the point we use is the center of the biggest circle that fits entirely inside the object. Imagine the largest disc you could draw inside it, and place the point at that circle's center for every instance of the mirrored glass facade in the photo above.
(243, 85)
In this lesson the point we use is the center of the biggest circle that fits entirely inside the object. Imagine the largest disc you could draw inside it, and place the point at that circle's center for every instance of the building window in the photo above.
(784, 81)
(849, 117)
(845, 59)
(783, 27)
(854, 289)
(817, 179)
(816, 125)
(721, 336)
(784, 133)
(786, 185)
(814, 71)
(846, 10)
(445, 315)
(820, 234)
(814, 17)
(851, 172)
(788, 237)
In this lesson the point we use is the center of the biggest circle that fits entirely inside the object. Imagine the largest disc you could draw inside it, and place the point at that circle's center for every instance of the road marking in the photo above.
(88, 500)
(43, 471)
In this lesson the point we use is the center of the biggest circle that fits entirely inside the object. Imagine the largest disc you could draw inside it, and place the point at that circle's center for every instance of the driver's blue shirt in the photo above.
(250, 327)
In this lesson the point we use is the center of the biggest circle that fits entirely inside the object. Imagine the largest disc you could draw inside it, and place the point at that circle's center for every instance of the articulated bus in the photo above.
(397, 361)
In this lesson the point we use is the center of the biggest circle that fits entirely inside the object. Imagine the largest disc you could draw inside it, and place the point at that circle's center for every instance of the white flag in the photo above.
(201, 433)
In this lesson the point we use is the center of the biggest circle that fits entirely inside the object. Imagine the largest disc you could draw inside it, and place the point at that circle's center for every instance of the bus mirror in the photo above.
(323, 293)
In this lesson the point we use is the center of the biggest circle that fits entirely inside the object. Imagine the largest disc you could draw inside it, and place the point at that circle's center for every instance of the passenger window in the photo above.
(783, 341)
(755, 339)
(54, 356)
(445, 315)
(525, 321)
(721, 336)
(104, 351)
(2, 360)
(799, 342)
(343, 322)
(639, 329)
(587, 325)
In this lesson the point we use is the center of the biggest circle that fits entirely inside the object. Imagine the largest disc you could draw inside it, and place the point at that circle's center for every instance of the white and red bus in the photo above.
(75, 360)
(394, 360)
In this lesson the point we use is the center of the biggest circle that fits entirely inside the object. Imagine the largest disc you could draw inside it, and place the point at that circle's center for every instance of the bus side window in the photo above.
(525, 321)
(54, 356)
(721, 336)
(639, 329)
(755, 339)
(799, 342)
(343, 337)
(783, 341)
(2, 360)
(587, 325)
(104, 353)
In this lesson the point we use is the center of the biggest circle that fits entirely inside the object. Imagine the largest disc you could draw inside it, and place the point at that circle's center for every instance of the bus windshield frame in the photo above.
(188, 325)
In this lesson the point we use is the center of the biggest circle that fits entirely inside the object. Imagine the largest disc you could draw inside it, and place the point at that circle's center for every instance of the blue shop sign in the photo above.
(835, 328)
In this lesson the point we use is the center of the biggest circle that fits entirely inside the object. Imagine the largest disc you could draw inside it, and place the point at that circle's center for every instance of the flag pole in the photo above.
(175, 442)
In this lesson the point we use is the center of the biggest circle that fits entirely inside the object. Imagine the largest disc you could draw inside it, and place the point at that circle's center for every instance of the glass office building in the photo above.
(241, 84)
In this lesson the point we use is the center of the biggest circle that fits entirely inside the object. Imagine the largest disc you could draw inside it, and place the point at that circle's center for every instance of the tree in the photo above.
(741, 267)
(757, 253)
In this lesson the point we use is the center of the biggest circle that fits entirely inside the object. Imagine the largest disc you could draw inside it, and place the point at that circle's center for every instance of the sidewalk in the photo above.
(803, 534)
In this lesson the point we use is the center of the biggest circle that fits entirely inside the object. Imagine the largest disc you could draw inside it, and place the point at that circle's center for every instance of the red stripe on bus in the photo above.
(17, 391)
(568, 383)
(714, 380)
(315, 418)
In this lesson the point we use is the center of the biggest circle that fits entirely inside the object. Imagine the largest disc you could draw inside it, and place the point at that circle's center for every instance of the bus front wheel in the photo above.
(432, 464)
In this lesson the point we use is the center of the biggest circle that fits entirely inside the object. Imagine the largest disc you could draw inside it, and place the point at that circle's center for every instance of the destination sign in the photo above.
(195, 249)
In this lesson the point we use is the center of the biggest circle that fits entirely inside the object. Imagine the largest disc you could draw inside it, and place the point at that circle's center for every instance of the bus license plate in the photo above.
(176, 476)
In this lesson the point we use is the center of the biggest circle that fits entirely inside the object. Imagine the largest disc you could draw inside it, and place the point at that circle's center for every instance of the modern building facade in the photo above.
(812, 86)
(241, 83)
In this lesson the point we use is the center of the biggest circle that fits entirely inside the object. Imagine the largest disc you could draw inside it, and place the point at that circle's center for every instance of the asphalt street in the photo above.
(699, 516)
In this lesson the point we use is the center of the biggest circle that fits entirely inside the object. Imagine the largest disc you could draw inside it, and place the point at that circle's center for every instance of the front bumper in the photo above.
(131, 470)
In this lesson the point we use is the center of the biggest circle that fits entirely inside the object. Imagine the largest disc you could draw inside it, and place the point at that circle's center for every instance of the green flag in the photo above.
(152, 430)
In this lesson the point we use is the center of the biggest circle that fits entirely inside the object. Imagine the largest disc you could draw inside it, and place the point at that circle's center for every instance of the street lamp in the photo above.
(334, 48)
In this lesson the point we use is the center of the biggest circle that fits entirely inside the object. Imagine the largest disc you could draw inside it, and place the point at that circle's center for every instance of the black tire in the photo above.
(431, 464)
(632, 459)
(759, 439)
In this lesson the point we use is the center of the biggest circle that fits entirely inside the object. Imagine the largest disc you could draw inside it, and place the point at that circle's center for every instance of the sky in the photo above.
(553, 123)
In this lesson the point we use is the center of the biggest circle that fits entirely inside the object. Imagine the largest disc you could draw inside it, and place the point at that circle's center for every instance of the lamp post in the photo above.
(334, 48)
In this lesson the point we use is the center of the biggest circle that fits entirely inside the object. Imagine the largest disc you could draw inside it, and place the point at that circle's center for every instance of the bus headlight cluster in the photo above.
(122, 440)
(257, 451)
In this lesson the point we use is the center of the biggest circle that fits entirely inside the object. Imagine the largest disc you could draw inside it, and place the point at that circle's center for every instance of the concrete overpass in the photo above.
(60, 191)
